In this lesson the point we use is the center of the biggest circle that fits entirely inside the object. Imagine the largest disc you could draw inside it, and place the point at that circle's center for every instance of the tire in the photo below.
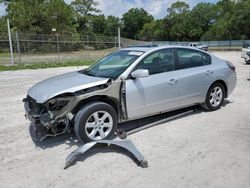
(95, 121)
(215, 97)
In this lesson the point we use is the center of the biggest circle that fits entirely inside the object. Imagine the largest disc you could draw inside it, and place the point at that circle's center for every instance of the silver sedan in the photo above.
(128, 84)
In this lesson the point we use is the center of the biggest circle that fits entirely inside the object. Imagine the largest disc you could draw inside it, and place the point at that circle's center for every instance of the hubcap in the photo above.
(99, 125)
(216, 96)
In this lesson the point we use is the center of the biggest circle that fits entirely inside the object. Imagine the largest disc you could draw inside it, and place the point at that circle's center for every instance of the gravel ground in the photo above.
(203, 149)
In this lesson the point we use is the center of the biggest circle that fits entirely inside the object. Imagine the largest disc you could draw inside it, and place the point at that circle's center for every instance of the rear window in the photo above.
(188, 58)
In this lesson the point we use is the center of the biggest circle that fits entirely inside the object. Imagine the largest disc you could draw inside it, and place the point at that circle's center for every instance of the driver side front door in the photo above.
(156, 93)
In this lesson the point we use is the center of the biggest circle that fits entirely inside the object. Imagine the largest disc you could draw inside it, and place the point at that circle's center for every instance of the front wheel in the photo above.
(215, 97)
(95, 121)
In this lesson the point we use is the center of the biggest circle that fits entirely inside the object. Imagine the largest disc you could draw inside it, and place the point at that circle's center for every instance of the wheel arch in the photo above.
(98, 98)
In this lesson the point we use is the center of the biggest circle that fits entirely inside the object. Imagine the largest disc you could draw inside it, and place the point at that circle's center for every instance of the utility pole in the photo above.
(11, 49)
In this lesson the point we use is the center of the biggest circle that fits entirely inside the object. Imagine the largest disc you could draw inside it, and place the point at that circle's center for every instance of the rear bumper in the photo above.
(232, 81)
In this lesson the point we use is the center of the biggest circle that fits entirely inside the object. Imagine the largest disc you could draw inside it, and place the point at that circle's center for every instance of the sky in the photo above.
(157, 8)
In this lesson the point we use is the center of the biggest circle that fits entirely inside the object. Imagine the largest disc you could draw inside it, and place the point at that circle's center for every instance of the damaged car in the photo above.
(128, 84)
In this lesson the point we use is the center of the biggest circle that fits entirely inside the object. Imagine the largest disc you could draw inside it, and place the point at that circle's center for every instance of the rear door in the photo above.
(157, 92)
(195, 75)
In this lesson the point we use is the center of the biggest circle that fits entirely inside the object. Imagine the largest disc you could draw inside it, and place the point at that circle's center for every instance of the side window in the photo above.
(190, 58)
(206, 59)
(158, 62)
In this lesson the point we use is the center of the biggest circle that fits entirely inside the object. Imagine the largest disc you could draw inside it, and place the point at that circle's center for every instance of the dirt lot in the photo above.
(204, 149)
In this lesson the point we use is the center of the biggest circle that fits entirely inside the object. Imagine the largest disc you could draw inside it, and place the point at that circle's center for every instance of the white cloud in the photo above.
(157, 8)
(114, 7)
(2, 9)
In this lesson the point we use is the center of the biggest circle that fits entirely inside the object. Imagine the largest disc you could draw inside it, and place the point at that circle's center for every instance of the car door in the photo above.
(156, 93)
(194, 75)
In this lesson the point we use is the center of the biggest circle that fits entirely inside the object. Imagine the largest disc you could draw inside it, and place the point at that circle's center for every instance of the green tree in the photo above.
(58, 15)
(3, 25)
(26, 16)
(202, 16)
(40, 16)
(153, 31)
(178, 21)
(178, 8)
(98, 24)
(85, 7)
(84, 10)
(232, 21)
(133, 22)
(112, 24)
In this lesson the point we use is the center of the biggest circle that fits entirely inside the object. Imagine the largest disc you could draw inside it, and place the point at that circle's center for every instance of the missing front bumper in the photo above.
(124, 144)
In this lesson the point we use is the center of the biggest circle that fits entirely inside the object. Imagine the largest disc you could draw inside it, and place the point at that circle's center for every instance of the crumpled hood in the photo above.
(65, 83)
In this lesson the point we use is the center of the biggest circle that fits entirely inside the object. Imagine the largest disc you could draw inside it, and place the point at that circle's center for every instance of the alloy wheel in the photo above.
(216, 96)
(99, 125)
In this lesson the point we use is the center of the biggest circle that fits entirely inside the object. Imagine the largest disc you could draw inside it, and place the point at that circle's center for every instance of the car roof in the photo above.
(143, 49)
(143, 46)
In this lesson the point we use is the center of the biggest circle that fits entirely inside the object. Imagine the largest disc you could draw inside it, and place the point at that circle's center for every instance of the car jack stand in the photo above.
(124, 144)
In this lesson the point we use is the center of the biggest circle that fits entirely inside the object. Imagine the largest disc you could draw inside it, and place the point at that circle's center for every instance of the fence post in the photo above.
(18, 48)
(119, 37)
(10, 41)
(87, 40)
(58, 47)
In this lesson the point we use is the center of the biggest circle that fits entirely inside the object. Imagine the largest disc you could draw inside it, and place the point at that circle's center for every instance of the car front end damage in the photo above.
(56, 115)
(49, 119)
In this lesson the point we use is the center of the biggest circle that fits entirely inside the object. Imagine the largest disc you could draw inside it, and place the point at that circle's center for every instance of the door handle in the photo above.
(172, 81)
(209, 72)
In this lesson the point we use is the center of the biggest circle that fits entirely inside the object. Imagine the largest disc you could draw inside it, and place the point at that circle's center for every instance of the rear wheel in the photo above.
(215, 97)
(95, 121)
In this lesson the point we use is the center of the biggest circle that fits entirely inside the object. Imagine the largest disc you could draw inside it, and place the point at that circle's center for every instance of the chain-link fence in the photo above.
(45, 48)
(33, 48)
(216, 45)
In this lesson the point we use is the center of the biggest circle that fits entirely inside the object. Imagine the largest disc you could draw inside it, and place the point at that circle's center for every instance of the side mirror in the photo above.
(140, 73)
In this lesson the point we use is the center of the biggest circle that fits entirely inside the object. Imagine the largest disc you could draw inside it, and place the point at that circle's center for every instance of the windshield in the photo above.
(113, 65)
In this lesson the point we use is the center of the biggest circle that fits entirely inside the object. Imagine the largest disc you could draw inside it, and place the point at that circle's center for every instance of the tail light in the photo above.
(231, 66)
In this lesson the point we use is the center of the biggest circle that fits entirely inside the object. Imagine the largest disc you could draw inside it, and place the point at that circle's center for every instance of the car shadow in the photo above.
(70, 139)
(226, 102)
